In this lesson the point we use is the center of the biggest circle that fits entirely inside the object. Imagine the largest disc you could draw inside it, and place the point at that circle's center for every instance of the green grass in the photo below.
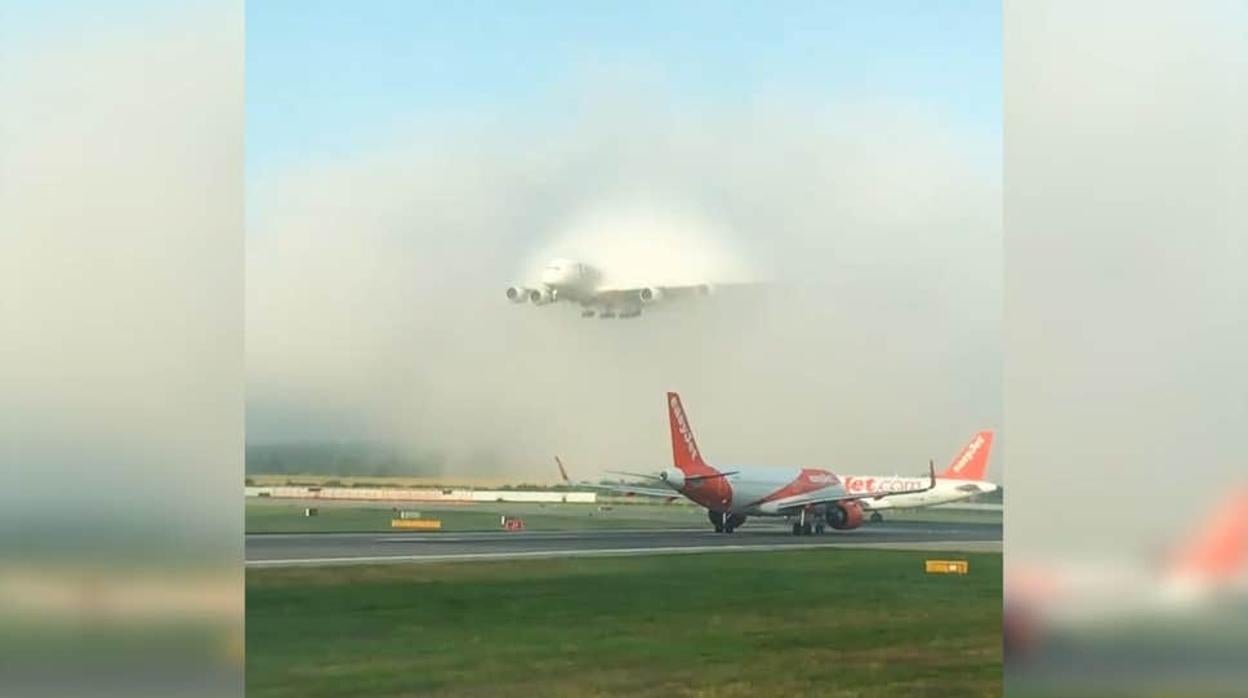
(828, 622)
(286, 516)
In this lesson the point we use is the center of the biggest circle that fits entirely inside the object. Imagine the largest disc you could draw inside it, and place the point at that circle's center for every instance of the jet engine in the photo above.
(516, 294)
(673, 478)
(650, 295)
(541, 296)
(844, 516)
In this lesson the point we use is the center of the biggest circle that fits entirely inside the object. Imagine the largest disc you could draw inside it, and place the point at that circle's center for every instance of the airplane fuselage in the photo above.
(570, 281)
(946, 491)
(759, 491)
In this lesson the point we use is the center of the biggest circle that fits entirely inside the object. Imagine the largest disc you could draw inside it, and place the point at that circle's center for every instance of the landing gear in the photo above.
(805, 529)
(876, 517)
(802, 527)
(725, 522)
(588, 313)
(820, 528)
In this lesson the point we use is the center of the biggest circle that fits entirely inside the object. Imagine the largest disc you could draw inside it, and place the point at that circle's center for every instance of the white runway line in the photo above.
(952, 546)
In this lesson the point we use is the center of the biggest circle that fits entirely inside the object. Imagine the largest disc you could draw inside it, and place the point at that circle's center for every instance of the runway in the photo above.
(312, 549)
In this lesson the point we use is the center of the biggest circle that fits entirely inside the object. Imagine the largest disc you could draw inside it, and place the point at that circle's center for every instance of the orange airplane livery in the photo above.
(814, 498)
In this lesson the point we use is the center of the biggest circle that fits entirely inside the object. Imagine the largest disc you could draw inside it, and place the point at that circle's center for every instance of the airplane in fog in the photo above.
(963, 479)
(813, 497)
(1208, 567)
(569, 281)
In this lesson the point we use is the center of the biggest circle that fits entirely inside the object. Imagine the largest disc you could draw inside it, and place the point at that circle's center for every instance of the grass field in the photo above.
(828, 623)
(286, 516)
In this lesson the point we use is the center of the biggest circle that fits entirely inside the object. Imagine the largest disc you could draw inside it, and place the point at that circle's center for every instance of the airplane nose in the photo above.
(557, 277)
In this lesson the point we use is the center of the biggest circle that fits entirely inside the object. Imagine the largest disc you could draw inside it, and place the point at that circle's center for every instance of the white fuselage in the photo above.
(759, 491)
(946, 491)
(570, 281)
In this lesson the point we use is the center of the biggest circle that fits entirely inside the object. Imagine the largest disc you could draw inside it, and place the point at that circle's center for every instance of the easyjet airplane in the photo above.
(963, 479)
(813, 497)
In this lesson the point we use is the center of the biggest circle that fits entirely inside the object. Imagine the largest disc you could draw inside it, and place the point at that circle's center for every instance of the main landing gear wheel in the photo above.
(820, 528)
(797, 529)
(876, 517)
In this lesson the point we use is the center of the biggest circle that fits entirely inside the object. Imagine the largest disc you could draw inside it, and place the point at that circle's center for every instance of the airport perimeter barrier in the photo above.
(400, 494)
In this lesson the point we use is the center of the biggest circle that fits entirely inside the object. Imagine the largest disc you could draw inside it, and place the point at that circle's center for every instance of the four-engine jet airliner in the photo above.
(813, 497)
(963, 479)
(566, 280)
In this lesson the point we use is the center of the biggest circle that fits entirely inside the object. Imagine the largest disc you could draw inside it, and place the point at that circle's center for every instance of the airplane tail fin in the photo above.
(1220, 548)
(685, 454)
(971, 462)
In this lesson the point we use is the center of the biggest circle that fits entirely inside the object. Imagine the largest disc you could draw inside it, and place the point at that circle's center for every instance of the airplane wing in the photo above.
(629, 301)
(801, 501)
(621, 489)
(625, 296)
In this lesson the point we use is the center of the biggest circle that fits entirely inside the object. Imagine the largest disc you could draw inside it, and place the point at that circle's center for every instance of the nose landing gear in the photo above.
(724, 522)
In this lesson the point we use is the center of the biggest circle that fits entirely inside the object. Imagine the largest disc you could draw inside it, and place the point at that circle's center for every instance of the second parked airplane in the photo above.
(963, 479)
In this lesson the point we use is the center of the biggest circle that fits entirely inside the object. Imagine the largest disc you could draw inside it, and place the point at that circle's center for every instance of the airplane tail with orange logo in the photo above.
(685, 453)
(1219, 550)
(971, 462)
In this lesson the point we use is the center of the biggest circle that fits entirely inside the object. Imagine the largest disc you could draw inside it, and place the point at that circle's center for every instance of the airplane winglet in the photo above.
(931, 485)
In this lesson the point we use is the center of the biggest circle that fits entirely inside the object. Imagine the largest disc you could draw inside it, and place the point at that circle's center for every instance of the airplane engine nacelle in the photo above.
(650, 295)
(516, 294)
(673, 478)
(844, 516)
(541, 296)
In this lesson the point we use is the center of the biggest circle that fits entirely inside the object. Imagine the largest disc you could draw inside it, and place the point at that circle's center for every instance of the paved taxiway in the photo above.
(292, 549)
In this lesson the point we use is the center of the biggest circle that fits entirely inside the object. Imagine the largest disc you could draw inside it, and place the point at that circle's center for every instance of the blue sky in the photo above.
(327, 79)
